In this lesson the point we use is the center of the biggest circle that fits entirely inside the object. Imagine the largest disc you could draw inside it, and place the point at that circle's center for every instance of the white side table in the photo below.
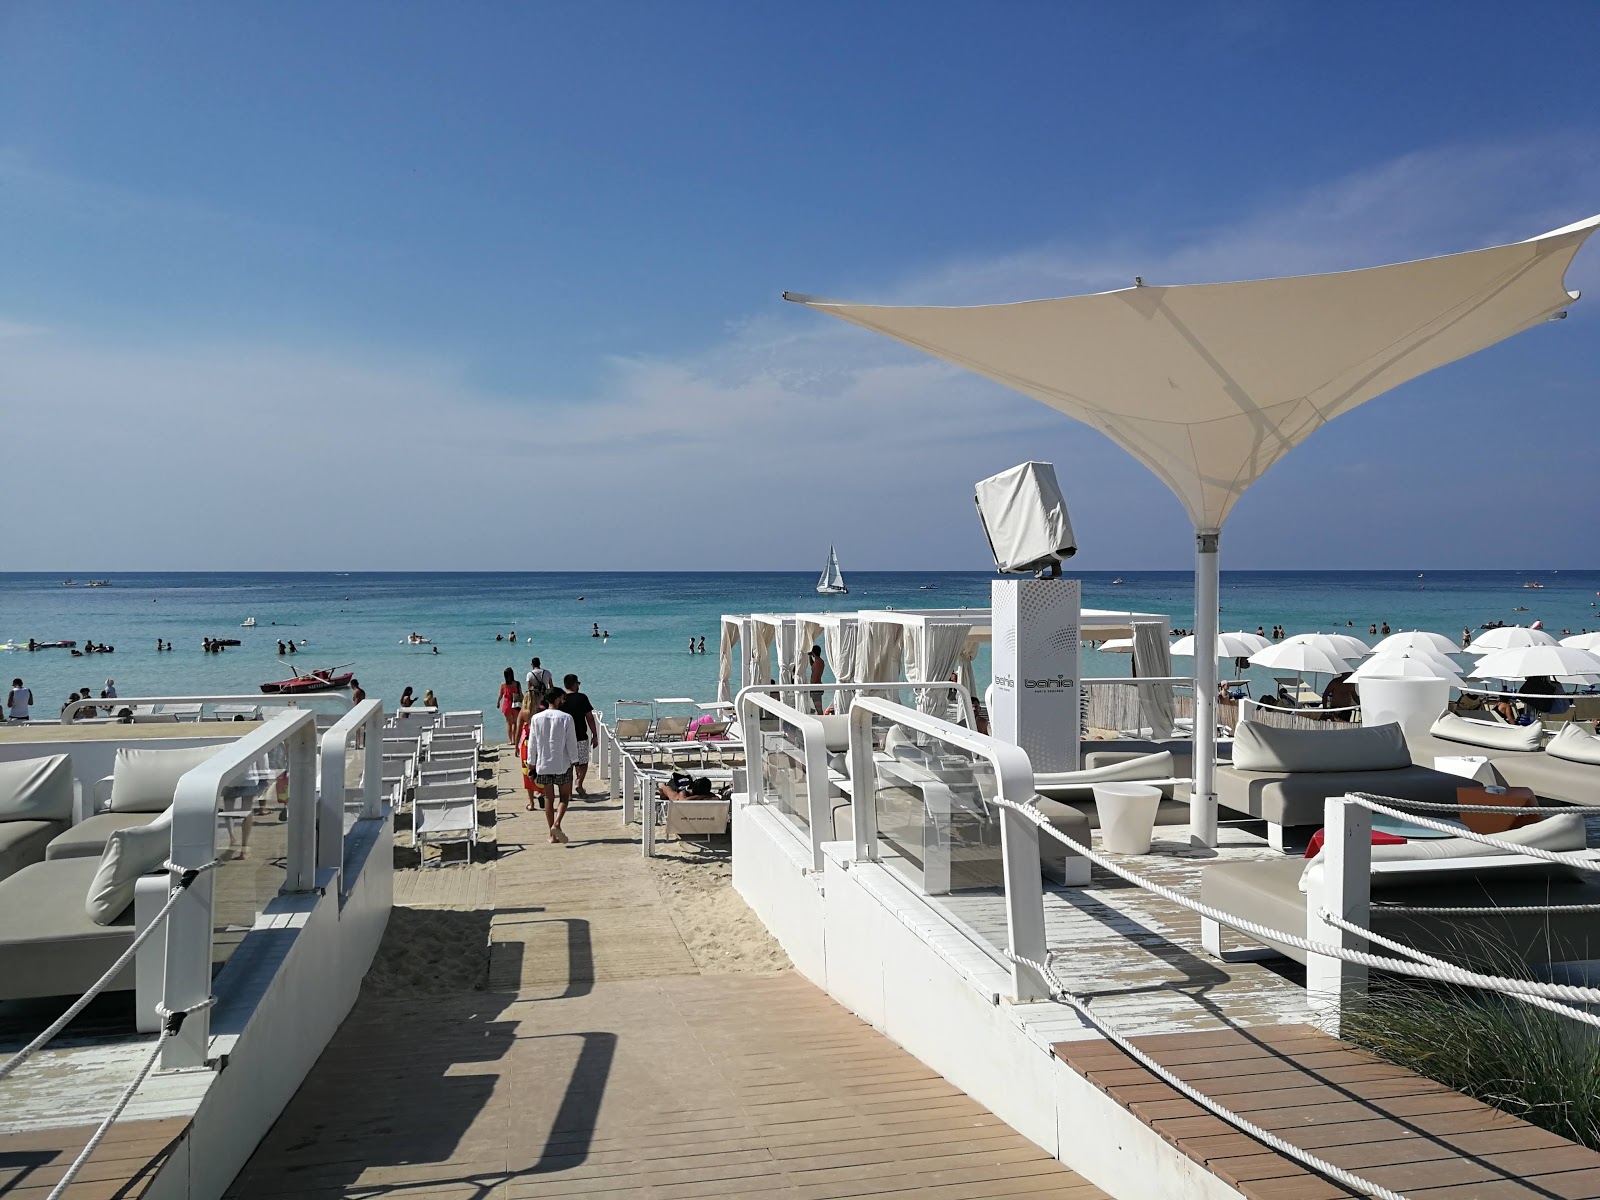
(1127, 816)
(1468, 766)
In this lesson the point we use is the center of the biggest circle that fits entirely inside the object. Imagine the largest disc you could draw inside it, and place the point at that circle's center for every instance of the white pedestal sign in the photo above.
(1035, 655)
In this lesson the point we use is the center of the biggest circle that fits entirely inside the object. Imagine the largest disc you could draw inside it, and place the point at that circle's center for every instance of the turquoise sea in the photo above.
(362, 618)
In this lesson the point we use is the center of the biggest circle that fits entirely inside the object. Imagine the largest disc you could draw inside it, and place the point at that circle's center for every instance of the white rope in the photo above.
(1060, 991)
(1481, 808)
(1492, 983)
(1567, 859)
(171, 1022)
(21, 1056)
(1576, 1014)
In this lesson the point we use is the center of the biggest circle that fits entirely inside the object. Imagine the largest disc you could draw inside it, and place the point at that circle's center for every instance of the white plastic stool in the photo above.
(1127, 816)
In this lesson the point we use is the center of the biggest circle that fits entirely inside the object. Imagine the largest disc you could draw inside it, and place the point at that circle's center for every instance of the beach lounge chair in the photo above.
(465, 719)
(630, 729)
(671, 729)
(443, 813)
(449, 776)
(698, 818)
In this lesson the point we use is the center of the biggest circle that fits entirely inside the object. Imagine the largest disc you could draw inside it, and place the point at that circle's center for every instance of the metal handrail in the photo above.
(70, 713)
(1019, 838)
(960, 689)
(813, 738)
(187, 983)
(365, 719)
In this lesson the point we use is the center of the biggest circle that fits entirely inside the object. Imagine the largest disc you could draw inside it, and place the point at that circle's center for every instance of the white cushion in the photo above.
(145, 780)
(1490, 736)
(129, 853)
(1574, 745)
(1258, 747)
(836, 732)
(1145, 766)
(1562, 832)
(36, 789)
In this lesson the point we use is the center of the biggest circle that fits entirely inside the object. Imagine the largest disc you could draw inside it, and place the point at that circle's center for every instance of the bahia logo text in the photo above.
(1059, 683)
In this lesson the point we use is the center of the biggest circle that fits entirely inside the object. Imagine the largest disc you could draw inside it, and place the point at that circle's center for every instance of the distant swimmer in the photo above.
(702, 645)
(605, 636)
(596, 632)
(691, 645)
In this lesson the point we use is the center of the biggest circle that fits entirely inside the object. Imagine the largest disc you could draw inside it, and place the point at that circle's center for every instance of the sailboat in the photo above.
(832, 583)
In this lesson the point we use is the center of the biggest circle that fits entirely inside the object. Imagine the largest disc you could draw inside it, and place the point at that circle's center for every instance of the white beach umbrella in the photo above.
(1116, 646)
(1229, 645)
(1209, 385)
(1556, 662)
(1398, 666)
(1298, 657)
(1417, 639)
(1583, 641)
(1509, 637)
(1339, 645)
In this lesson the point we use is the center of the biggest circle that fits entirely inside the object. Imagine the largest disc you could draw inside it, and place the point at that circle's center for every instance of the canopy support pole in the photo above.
(1203, 802)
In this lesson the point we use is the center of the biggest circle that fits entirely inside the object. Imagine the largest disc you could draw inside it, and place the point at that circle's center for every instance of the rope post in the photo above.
(1345, 891)
(630, 788)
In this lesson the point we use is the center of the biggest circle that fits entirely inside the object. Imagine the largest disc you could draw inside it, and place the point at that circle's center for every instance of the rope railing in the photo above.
(1081, 1005)
(1493, 983)
(185, 878)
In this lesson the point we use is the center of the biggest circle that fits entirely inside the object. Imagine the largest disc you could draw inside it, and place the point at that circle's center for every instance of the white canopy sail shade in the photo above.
(1509, 637)
(1556, 662)
(1417, 639)
(1209, 385)
(1298, 656)
(1339, 645)
(1229, 645)
(1396, 666)
(1583, 641)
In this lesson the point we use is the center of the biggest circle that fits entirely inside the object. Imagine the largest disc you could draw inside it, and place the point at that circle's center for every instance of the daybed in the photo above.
(1283, 775)
(35, 806)
(1076, 788)
(140, 787)
(1273, 892)
(1567, 770)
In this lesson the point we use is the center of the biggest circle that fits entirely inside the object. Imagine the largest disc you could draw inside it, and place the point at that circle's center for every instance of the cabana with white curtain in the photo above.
(1209, 385)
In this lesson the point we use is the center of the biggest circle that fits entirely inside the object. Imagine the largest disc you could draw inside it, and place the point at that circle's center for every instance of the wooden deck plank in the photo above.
(629, 1074)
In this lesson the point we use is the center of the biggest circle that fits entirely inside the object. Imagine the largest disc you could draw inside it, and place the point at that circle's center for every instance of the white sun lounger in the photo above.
(443, 813)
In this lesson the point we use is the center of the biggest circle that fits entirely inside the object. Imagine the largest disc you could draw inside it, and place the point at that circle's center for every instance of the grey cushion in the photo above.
(1562, 832)
(1297, 798)
(25, 842)
(1267, 891)
(1574, 745)
(36, 789)
(48, 944)
(1550, 778)
(1258, 747)
(129, 853)
(145, 780)
(87, 839)
(1486, 735)
(1066, 818)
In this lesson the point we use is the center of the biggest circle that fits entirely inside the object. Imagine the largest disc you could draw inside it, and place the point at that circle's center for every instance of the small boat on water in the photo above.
(832, 582)
(415, 639)
(248, 623)
(1118, 579)
(69, 583)
(98, 583)
(313, 681)
(1533, 585)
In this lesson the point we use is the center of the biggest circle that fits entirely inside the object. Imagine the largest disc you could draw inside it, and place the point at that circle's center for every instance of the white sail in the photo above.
(832, 582)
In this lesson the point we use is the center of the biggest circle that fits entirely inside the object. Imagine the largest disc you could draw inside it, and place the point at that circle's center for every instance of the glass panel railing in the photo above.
(783, 770)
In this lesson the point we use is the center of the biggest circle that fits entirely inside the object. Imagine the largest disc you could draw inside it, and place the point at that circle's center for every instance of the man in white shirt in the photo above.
(18, 701)
(552, 749)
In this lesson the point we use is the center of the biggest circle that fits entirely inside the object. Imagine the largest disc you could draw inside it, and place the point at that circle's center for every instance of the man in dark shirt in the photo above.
(576, 705)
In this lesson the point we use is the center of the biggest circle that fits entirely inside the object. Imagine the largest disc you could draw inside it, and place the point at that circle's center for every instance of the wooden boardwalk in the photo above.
(596, 1060)
(33, 1163)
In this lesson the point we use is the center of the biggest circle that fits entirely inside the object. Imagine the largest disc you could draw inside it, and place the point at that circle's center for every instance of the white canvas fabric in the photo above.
(939, 648)
(1211, 384)
(842, 645)
(730, 639)
(1025, 517)
(144, 780)
(36, 789)
(786, 651)
(880, 651)
(1152, 658)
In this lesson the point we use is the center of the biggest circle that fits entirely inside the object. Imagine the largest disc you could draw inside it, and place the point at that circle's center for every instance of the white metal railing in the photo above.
(810, 757)
(187, 982)
(91, 706)
(359, 730)
(1019, 837)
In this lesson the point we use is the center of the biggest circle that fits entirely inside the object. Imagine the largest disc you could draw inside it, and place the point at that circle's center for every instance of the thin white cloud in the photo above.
(787, 433)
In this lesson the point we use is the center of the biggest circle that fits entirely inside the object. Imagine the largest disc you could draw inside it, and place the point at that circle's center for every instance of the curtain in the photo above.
(964, 670)
(786, 662)
(761, 652)
(1152, 657)
(807, 634)
(937, 658)
(880, 655)
(730, 639)
(842, 643)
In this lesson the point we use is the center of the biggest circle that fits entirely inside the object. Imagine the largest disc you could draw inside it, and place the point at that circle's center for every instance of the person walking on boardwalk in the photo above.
(551, 750)
(509, 702)
(539, 680)
(576, 705)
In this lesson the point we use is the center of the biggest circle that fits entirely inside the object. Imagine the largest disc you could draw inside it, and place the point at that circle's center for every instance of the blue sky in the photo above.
(383, 285)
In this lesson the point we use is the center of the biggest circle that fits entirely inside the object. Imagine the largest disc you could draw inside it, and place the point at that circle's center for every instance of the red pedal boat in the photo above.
(315, 681)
